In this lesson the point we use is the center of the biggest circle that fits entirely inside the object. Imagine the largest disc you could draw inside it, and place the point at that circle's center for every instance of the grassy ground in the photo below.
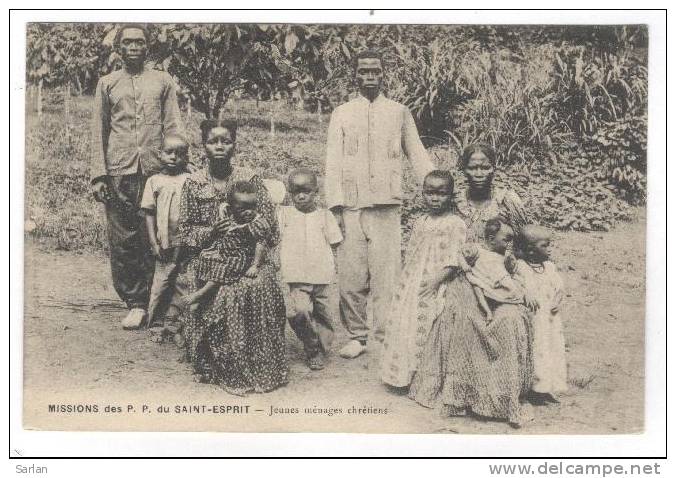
(75, 351)
(60, 211)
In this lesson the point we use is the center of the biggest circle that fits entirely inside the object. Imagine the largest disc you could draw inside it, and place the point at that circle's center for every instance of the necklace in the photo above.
(220, 185)
(537, 268)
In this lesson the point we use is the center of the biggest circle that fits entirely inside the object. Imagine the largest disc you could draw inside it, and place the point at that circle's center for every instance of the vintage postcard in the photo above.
(364, 228)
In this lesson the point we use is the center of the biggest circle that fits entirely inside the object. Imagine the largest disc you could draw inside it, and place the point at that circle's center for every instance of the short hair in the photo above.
(525, 237)
(175, 136)
(301, 172)
(128, 26)
(441, 174)
(208, 124)
(241, 187)
(470, 150)
(368, 53)
(492, 227)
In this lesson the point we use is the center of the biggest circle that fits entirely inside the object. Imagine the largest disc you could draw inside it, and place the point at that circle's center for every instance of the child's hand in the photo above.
(470, 254)
(430, 286)
(251, 272)
(531, 303)
(221, 226)
(236, 227)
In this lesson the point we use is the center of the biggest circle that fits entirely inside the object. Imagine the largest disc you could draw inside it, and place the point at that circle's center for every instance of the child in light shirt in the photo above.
(160, 203)
(308, 235)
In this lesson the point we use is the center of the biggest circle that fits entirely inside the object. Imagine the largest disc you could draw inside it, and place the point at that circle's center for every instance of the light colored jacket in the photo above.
(131, 114)
(366, 142)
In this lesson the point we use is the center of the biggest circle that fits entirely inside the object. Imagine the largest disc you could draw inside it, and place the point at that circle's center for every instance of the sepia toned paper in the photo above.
(83, 372)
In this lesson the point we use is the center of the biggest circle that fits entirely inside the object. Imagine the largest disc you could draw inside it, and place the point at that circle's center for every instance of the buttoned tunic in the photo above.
(131, 115)
(365, 146)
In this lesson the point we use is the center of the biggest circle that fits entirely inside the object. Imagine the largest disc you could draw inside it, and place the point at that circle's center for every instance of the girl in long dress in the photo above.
(462, 369)
(431, 255)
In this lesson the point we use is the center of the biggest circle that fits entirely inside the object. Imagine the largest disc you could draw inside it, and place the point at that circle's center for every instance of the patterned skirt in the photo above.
(468, 366)
(236, 338)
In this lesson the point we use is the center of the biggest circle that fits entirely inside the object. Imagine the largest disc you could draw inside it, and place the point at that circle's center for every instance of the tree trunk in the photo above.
(272, 120)
(189, 110)
(40, 98)
(319, 110)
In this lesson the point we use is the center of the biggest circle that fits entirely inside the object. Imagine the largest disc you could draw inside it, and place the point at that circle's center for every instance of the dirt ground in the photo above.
(76, 353)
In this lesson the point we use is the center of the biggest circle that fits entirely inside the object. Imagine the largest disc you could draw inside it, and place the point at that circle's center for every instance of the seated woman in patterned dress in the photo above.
(235, 336)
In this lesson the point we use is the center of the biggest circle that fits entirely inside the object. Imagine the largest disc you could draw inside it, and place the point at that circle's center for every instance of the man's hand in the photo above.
(100, 190)
(157, 251)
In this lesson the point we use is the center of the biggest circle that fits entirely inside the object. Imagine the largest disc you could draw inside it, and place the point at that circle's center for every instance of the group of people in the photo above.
(469, 323)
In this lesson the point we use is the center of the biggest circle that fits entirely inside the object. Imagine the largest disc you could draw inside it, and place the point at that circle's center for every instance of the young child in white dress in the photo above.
(431, 258)
(544, 291)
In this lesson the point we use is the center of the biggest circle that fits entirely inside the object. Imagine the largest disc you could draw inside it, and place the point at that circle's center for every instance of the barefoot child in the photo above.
(160, 203)
(487, 271)
(237, 253)
(308, 235)
(544, 292)
(431, 258)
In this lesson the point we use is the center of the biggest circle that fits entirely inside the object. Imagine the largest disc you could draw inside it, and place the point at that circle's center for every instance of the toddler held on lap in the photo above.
(238, 250)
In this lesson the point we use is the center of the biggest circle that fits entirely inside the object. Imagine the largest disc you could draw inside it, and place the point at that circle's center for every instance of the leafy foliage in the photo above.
(210, 61)
(63, 53)
(430, 80)
(565, 107)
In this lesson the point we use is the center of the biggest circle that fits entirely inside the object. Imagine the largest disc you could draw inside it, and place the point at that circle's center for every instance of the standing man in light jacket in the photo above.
(367, 139)
(134, 107)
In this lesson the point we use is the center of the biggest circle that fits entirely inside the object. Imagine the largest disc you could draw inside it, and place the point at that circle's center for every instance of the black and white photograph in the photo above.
(389, 228)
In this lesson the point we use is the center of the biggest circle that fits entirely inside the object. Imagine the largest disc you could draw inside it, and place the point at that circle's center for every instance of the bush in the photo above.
(619, 149)
(429, 80)
(511, 108)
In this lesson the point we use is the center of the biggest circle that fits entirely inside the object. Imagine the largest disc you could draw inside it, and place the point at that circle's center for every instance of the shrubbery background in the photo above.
(565, 107)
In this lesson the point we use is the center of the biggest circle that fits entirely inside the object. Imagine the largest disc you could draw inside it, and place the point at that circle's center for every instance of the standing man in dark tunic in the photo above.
(134, 108)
